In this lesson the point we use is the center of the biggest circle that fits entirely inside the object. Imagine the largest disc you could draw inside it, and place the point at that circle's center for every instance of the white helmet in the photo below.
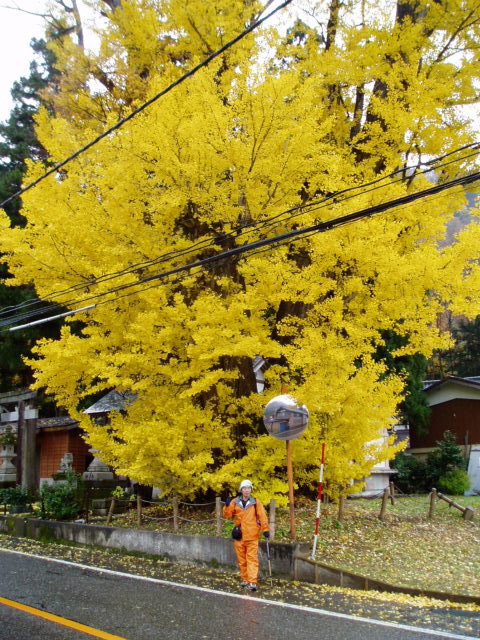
(245, 483)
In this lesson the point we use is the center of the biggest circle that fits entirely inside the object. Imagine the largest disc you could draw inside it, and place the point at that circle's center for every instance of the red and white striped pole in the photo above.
(319, 502)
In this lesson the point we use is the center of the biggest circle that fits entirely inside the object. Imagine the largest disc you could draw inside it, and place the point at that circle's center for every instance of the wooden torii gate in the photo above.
(19, 407)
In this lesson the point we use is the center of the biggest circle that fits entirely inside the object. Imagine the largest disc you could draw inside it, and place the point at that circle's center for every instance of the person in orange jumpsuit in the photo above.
(249, 513)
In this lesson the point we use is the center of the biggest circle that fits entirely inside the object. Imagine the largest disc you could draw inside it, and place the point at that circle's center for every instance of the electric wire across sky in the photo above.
(256, 246)
(29, 309)
(246, 228)
(20, 312)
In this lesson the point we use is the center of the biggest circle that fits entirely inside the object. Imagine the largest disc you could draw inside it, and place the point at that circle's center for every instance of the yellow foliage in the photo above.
(222, 157)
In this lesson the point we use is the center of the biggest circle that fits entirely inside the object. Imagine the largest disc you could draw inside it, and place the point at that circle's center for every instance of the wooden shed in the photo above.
(455, 407)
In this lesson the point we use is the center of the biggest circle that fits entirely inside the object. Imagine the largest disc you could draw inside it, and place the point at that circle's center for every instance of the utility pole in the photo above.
(291, 499)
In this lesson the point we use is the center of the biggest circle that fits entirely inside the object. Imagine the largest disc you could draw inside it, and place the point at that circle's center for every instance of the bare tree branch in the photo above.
(30, 13)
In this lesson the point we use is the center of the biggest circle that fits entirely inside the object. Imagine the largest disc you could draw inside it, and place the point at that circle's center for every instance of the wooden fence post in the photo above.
(341, 508)
(271, 518)
(175, 513)
(383, 508)
(111, 510)
(392, 493)
(433, 498)
(87, 505)
(218, 514)
(468, 514)
(139, 510)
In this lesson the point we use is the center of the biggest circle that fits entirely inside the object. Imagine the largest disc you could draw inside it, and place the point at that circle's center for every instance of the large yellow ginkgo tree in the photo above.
(285, 130)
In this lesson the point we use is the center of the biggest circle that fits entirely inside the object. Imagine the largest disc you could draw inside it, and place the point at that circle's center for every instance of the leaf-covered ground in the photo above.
(394, 608)
(407, 548)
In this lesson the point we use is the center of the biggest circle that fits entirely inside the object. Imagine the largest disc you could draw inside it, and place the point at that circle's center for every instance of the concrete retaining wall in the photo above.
(168, 545)
(308, 570)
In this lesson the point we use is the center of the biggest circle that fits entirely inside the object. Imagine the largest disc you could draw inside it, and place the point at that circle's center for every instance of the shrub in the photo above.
(455, 482)
(411, 473)
(446, 457)
(17, 496)
(64, 499)
(18, 499)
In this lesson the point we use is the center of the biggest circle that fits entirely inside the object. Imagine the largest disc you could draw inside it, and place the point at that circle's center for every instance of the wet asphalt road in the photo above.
(143, 610)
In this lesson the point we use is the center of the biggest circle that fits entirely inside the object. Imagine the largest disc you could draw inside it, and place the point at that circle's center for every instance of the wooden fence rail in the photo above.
(467, 512)
(218, 519)
(388, 494)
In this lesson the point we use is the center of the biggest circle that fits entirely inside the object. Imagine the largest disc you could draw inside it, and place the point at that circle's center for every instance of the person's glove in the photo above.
(227, 501)
(266, 534)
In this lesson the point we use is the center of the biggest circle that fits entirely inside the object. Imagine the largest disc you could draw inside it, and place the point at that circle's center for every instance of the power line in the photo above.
(339, 197)
(315, 206)
(59, 315)
(330, 225)
(128, 285)
(474, 145)
(146, 104)
(322, 226)
(287, 237)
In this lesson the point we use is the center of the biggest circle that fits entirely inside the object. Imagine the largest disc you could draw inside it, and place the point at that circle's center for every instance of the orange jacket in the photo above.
(252, 517)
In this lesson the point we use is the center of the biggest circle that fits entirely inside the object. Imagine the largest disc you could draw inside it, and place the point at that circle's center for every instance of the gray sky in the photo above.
(16, 31)
(18, 26)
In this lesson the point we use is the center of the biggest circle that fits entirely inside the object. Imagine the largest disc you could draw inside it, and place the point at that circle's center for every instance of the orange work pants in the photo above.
(247, 558)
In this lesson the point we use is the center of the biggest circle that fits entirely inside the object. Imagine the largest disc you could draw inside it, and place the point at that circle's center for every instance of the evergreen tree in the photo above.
(466, 354)
(412, 367)
(445, 458)
(463, 358)
(19, 143)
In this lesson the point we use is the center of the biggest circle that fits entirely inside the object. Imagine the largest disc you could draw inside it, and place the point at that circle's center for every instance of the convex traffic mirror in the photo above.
(284, 419)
